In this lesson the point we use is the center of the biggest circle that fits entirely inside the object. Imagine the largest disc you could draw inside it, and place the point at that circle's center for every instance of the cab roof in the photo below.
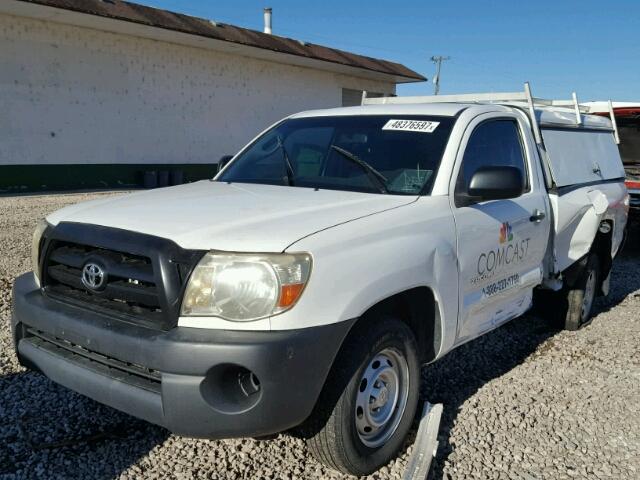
(440, 110)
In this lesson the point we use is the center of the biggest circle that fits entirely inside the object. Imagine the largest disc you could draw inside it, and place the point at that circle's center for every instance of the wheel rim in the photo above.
(589, 295)
(382, 397)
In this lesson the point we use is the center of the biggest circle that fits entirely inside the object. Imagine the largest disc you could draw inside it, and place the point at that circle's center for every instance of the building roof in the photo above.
(164, 19)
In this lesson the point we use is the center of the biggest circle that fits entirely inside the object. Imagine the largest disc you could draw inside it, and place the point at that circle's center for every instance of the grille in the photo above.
(144, 276)
(130, 288)
(123, 371)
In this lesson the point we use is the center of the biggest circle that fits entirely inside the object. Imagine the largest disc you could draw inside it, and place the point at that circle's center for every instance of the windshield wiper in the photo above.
(374, 175)
(287, 163)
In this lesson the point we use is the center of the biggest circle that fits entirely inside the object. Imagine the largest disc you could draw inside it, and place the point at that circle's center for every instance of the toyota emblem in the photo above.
(93, 276)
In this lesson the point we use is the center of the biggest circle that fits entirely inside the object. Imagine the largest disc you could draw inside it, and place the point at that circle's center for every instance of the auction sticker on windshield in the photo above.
(423, 126)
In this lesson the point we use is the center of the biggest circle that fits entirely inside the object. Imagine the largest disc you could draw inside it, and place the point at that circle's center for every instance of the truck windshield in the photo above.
(396, 155)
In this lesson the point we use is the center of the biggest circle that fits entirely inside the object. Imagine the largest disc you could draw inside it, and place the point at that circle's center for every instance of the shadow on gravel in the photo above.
(47, 431)
(456, 377)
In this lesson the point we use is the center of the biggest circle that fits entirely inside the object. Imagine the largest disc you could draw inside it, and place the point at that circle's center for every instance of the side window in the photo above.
(264, 161)
(493, 143)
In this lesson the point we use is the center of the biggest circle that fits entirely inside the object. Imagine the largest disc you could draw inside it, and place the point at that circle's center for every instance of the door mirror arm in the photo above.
(463, 199)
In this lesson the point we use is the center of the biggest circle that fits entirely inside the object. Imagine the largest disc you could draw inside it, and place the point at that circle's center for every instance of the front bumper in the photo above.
(192, 381)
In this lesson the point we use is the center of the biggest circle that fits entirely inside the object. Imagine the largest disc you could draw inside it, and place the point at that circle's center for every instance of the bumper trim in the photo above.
(90, 382)
(149, 379)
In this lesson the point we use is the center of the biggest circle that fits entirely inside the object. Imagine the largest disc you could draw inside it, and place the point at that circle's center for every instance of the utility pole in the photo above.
(438, 59)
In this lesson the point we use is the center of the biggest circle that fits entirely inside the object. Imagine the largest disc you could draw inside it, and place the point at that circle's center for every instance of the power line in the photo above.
(438, 59)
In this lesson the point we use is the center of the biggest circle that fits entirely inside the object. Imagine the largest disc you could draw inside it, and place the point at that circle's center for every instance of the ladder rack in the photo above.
(524, 97)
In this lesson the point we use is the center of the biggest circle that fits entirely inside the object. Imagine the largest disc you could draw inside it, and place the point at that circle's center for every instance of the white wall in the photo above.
(75, 95)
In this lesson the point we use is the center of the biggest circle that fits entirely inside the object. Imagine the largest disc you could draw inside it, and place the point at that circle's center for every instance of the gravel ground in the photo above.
(523, 402)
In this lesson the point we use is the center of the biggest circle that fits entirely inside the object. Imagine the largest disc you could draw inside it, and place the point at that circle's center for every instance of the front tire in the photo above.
(369, 400)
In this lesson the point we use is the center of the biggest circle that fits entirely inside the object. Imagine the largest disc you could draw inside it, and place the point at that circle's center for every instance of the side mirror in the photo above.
(223, 161)
(496, 183)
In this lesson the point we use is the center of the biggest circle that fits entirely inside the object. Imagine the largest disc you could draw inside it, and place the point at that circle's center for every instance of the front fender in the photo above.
(358, 264)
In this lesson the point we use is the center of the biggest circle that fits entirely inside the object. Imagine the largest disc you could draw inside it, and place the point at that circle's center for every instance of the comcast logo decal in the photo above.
(506, 235)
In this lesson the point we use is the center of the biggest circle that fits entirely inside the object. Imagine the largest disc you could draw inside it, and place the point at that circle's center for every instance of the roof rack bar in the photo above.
(571, 104)
(576, 107)
(532, 114)
(462, 98)
(521, 99)
(616, 135)
(501, 97)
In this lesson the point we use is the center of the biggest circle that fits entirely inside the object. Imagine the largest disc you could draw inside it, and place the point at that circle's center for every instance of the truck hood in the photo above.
(234, 217)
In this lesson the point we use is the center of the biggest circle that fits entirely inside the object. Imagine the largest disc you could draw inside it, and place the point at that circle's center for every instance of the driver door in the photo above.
(501, 243)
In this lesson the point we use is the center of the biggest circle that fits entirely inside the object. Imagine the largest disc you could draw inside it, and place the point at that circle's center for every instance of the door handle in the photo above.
(537, 216)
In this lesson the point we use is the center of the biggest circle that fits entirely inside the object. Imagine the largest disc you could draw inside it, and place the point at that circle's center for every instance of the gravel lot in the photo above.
(523, 402)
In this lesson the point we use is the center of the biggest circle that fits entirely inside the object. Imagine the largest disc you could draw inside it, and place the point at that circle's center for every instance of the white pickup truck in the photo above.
(334, 255)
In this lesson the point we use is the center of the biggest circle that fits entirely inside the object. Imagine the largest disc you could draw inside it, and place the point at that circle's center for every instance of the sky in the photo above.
(591, 47)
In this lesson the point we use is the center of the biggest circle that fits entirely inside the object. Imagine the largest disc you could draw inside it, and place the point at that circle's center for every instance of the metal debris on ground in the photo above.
(426, 444)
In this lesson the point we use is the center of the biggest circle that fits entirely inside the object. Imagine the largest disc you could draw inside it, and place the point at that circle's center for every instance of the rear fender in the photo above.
(578, 214)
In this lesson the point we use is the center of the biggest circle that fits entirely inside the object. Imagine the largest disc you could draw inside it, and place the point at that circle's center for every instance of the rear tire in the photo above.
(576, 307)
(369, 401)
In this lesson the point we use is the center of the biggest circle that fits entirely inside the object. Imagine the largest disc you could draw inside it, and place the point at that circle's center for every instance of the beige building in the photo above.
(95, 93)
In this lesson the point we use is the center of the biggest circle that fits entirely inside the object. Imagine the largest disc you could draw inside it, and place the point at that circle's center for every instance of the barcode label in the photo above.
(423, 126)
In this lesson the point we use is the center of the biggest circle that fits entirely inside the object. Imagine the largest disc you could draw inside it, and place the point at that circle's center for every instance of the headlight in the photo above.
(245, 287)
(35, 248)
